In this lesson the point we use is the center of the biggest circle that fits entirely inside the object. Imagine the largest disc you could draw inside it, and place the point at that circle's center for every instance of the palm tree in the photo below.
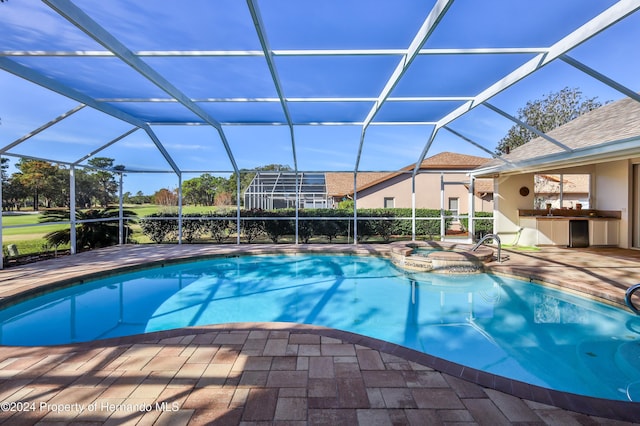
(89, 235)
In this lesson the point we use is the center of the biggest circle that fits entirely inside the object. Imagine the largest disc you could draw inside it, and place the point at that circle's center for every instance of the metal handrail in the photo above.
(627, 298)
(490, 236)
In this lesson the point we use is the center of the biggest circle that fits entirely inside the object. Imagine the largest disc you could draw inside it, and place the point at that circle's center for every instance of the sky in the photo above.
(290, 25)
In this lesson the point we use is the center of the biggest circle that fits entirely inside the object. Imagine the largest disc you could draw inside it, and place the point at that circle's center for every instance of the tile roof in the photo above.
(451, 161)
(443, 161)
(483, 186)
(617, 121)
(340, 184)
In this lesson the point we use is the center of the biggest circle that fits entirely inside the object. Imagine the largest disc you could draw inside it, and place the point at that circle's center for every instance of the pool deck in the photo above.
(285, 374)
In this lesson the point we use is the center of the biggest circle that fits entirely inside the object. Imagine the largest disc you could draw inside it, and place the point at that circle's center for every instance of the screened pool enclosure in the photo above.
(286, 190)
(171, 90)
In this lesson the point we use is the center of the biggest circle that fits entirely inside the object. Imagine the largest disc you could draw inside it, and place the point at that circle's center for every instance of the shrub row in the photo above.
(481, 226)
(326, 223)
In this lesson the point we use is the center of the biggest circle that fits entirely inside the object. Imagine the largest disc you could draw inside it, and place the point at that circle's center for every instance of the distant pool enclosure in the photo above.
(286, 190)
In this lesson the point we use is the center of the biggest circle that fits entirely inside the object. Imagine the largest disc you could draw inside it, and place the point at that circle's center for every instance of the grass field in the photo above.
(25, 231)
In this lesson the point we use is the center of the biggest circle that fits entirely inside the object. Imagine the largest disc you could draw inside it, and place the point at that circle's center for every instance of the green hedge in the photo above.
(254, 224)
(481, 226)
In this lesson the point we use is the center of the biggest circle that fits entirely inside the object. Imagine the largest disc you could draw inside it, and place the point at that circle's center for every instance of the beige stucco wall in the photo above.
(611, 191)
(508, 201)
(427, 193)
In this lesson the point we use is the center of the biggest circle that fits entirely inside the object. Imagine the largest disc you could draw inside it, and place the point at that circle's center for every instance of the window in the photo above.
(569, 191)
(389, 202)
(453, 206)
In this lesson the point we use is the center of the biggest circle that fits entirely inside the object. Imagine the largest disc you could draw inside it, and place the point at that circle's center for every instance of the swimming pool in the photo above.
(500, 325)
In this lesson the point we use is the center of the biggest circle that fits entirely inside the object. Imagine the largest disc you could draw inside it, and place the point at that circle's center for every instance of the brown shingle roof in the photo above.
(483, 186)
(340, 184)
(452, 161)
(616, 121)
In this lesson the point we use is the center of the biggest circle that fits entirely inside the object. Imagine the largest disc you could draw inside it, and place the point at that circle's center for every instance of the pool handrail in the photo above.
(627, 298)
(490, 236)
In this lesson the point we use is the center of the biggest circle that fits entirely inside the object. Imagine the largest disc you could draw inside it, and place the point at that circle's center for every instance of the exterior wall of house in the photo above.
(507, 199)
(612, 183)
(427, 193)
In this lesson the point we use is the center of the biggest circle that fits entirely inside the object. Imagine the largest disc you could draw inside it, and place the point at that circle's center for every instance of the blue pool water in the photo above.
(500, 325)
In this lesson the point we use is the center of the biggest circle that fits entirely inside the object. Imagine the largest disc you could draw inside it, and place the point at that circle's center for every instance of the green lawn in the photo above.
(30, 239)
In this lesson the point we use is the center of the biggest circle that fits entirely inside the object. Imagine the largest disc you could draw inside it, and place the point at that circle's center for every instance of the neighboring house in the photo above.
(602, 148)
(443, 182)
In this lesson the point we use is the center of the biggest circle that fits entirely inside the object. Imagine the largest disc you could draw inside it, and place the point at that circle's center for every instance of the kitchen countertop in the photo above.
(553, 217)
(571, 214)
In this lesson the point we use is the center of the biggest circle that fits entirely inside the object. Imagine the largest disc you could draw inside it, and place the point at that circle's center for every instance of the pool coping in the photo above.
(612, 409)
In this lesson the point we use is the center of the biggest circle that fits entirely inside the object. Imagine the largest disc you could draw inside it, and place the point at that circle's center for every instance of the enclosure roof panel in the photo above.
(351, 64)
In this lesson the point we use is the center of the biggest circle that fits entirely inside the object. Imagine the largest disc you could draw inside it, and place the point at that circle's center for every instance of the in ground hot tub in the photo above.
(440, 256)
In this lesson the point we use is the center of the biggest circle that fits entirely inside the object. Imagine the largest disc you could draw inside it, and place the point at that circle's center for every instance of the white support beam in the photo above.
(268, 55)
(443, 222)
(84, 22)
(238, 194)
(474, 143)
(108, 144)
(430, 23)
(413, 207)
(279, 52)
(295, 99)
(53, 85)
(180, 208)
(72, 210)
(425, 150)
(601, 22)
(527, 126)
(428, 26)
(301, 123)
(355, 208)
(121, 237)
(600, 77)
(471, 228)
(41, 128)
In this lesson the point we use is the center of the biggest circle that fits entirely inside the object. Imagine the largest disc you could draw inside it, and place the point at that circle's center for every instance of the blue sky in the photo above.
(291, 25)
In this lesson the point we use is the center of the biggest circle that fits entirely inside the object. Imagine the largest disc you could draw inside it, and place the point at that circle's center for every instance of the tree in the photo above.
(13, 193)
(165, 197)
(553, 110)
(56, 192)
(106, 185)
(201, 190)
(4, 165)
(140, 198)
(35, 176)
(86, 190)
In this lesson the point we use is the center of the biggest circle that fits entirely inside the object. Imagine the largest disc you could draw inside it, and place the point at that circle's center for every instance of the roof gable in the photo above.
(451, 161)
(443, 161)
